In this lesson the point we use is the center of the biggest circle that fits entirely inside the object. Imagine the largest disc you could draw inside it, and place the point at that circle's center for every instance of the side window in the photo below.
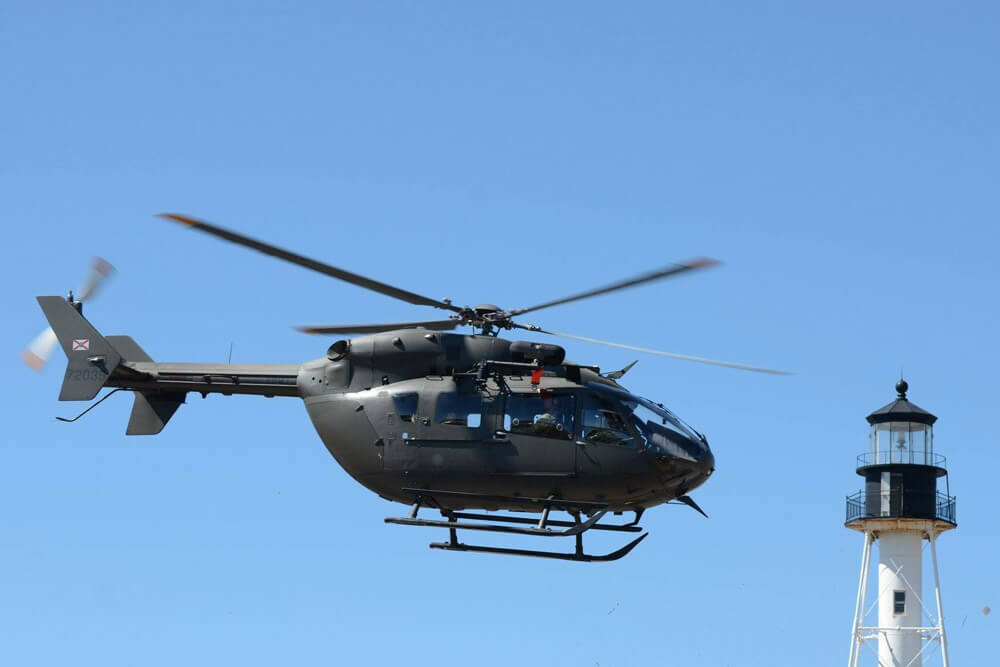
(459, 409)
(548, 416)
(406, 405)
(602, 424)
(898, 602)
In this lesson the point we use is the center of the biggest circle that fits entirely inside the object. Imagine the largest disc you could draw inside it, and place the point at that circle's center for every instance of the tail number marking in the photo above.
(87, 375)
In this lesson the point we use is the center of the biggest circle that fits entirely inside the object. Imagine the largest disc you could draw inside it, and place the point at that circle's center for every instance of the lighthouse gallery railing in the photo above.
(909, 456)
(893, 505)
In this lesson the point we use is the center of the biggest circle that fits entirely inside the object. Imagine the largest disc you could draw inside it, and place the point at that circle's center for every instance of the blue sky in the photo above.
(842, 161)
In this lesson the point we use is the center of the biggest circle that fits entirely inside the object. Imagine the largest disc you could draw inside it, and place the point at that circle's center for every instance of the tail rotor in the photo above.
(37, 354)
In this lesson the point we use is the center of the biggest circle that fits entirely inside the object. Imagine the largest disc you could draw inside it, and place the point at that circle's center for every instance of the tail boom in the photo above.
(254, 379)
(160, 388)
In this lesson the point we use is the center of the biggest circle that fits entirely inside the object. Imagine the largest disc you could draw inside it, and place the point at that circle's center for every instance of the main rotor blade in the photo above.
(321, 267)
(433, 325)
(672, 270)
(672, 355)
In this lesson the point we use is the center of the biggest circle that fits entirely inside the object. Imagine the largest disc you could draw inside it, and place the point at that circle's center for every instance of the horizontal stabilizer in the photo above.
(129, 349)
(151, 412)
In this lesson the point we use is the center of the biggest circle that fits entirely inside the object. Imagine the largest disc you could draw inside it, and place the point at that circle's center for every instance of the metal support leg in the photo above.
(937, 593)
(545, 517)
(579, 536)
(864, 595)
(859, 605)
(543, 526)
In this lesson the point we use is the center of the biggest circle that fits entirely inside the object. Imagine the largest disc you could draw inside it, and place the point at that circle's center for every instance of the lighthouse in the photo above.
(905, 501)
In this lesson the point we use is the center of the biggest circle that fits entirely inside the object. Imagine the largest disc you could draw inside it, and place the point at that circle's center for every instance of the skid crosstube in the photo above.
(432, 497)
(626, 528)
(451, 524)
(543, 527)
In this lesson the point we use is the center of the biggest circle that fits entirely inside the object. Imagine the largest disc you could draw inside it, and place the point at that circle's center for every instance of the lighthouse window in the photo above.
(899, 602)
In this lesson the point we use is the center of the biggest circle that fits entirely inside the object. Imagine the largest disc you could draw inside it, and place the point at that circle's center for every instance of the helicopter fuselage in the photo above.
(477, 416)
(414, 409)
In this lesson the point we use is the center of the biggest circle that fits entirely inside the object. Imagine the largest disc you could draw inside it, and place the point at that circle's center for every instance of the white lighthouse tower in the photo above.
(900, 506)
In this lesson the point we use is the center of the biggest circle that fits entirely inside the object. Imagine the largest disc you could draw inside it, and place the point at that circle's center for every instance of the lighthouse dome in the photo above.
(901, 410)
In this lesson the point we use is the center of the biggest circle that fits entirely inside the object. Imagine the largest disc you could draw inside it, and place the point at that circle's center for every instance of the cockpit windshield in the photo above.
(658, 425)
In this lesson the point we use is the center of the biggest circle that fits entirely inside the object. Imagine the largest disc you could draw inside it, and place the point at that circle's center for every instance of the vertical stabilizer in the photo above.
(91, 357)
(151, 412)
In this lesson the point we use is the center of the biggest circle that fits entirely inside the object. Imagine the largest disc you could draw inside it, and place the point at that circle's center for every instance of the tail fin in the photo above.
(152, 411)
(92, 358)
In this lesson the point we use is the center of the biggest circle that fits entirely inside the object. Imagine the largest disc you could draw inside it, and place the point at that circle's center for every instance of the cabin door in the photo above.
(540, 430)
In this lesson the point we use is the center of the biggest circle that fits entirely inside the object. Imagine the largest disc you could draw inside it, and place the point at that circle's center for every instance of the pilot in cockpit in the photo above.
(547, 423)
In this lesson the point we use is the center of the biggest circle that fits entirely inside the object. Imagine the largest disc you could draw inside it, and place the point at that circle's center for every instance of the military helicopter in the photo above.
(461, 424)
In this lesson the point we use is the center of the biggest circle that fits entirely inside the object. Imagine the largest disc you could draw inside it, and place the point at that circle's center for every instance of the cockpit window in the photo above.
(602, 424)
(645, 410)
(644, 418)
(659, 428)
(548, 416)
(459, 409)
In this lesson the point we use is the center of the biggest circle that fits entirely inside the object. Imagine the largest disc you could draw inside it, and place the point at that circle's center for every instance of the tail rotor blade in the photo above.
(99, 270)
(37, 354)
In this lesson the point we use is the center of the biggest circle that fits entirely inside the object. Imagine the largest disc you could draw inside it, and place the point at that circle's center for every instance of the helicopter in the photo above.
(461, 424)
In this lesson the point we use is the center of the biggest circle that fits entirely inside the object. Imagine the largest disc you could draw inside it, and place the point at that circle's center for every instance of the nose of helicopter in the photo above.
(704, 463)
(707, 459)
(693, 462)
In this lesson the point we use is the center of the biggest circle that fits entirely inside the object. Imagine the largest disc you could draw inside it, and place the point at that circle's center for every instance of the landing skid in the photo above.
(577, 556)
(542, 527)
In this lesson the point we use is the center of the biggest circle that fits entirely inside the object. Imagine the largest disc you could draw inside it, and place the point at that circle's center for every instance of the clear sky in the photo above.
(842, 161)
